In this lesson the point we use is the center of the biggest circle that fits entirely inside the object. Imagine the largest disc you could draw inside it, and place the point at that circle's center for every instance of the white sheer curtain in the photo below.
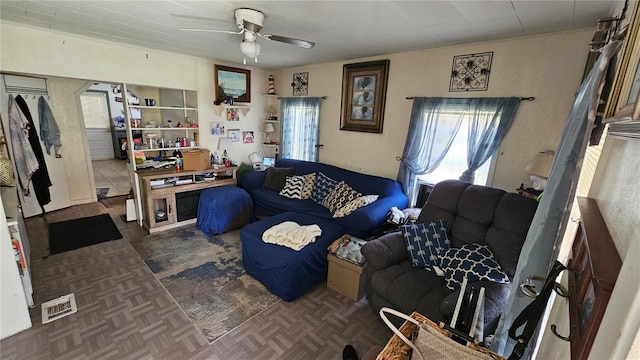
(434, 124)
(299, 130)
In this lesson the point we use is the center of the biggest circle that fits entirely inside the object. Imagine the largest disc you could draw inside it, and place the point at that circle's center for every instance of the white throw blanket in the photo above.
(291, 235)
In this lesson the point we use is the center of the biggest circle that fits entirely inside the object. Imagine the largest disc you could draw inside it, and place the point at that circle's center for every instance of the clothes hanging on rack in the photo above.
(40, 179)
(23, 155)
(49, 131)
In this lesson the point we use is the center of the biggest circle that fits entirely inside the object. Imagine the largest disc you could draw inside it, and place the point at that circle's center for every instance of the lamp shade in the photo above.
(268, 128)
(271, 110)
(541, 164)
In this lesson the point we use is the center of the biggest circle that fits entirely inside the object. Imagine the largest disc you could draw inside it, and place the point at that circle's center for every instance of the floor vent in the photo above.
(58, 308)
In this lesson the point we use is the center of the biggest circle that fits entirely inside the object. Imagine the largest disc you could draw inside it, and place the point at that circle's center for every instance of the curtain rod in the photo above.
(530, 98)
(323, 97)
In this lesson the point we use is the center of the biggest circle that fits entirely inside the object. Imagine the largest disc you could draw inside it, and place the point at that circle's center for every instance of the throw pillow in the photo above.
(474, 261)
(355, 205)
(243, 169)
(322, 187)
(293, 187)
(275, 178)
(340, 196)
(427, 243)
(307, 188)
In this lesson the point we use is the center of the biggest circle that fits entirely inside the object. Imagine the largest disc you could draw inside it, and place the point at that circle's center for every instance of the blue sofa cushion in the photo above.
(322, 187)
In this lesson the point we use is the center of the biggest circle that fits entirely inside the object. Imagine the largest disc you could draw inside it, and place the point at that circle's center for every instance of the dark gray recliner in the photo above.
(475, 214)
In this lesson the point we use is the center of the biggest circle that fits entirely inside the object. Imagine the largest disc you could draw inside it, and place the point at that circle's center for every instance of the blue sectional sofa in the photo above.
(362, 223)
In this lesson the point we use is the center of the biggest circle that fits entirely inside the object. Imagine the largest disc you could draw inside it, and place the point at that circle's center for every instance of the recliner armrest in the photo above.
(385, 251)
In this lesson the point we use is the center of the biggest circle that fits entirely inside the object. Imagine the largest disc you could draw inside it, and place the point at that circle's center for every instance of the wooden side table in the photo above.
(345, 277)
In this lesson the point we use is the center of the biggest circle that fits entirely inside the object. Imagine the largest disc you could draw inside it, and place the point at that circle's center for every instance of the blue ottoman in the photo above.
(284, 271)
(222, 209)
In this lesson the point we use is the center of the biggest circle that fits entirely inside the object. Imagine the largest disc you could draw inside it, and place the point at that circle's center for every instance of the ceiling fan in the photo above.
(249, 22)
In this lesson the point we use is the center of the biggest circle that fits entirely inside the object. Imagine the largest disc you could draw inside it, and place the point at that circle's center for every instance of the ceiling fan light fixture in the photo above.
(250, 49)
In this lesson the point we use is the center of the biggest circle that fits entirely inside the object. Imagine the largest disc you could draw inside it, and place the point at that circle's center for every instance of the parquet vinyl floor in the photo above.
(124, 312)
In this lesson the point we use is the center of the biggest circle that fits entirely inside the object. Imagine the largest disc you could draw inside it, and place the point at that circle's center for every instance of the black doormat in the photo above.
(77, 233)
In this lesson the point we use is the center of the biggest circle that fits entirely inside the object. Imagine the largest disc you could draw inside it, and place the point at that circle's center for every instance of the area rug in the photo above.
(206, 277)
(77, 233)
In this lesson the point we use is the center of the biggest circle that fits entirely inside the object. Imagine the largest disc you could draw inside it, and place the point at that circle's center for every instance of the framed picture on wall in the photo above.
(234, 135)
(364, 92)
(232, 85)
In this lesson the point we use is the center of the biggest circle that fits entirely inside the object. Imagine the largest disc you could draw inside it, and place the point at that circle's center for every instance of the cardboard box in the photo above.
(345, 277)
(196, 159)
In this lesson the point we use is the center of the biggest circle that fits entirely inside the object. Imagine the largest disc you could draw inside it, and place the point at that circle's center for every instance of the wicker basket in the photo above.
(396, 349)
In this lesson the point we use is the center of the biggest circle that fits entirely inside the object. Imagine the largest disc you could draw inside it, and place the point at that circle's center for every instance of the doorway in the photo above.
(111, 174)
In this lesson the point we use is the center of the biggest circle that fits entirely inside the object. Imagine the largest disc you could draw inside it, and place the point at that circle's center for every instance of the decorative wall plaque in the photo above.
(471, 72)
(300, 84)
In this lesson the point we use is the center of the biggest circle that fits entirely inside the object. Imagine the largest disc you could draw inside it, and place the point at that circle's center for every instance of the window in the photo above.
(455, 161)
(465, 131)
(300, 128)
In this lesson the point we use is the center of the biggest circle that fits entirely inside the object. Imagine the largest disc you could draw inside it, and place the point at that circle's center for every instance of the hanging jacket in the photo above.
(23, 155)
(40, 179)
(49, 132)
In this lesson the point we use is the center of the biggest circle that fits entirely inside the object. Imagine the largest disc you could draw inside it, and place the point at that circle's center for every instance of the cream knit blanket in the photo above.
(291, 235)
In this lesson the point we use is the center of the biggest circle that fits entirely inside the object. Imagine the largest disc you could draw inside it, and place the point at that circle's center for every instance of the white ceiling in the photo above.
(342, 30)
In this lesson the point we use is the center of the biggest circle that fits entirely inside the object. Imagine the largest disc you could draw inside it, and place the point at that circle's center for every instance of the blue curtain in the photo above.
(433, 125)
(491, 119)
(541, 247)
(299, 130)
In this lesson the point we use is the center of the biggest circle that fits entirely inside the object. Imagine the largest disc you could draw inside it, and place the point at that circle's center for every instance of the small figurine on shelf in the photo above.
(272, 86)
(178, 155)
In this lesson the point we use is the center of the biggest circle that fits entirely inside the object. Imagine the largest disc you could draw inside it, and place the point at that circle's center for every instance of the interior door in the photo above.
(97, 122)
(60, 197)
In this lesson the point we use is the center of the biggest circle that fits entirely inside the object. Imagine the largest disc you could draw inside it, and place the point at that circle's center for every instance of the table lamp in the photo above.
(268, 129)
(539, 169)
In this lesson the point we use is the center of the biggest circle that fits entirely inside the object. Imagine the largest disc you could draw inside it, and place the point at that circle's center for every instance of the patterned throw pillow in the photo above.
(293, 187)
(355, 205)
(427, 243)
(322, 187)
(340, 196)
(307, 188)
(474, 261)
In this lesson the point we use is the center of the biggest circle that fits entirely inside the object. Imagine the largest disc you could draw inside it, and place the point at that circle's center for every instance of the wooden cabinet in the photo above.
(170, 199)
(594, 268)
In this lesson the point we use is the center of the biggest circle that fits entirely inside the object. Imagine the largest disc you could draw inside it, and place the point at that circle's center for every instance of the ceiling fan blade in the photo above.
(213, 31)
(298, 42)
(192, 17)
